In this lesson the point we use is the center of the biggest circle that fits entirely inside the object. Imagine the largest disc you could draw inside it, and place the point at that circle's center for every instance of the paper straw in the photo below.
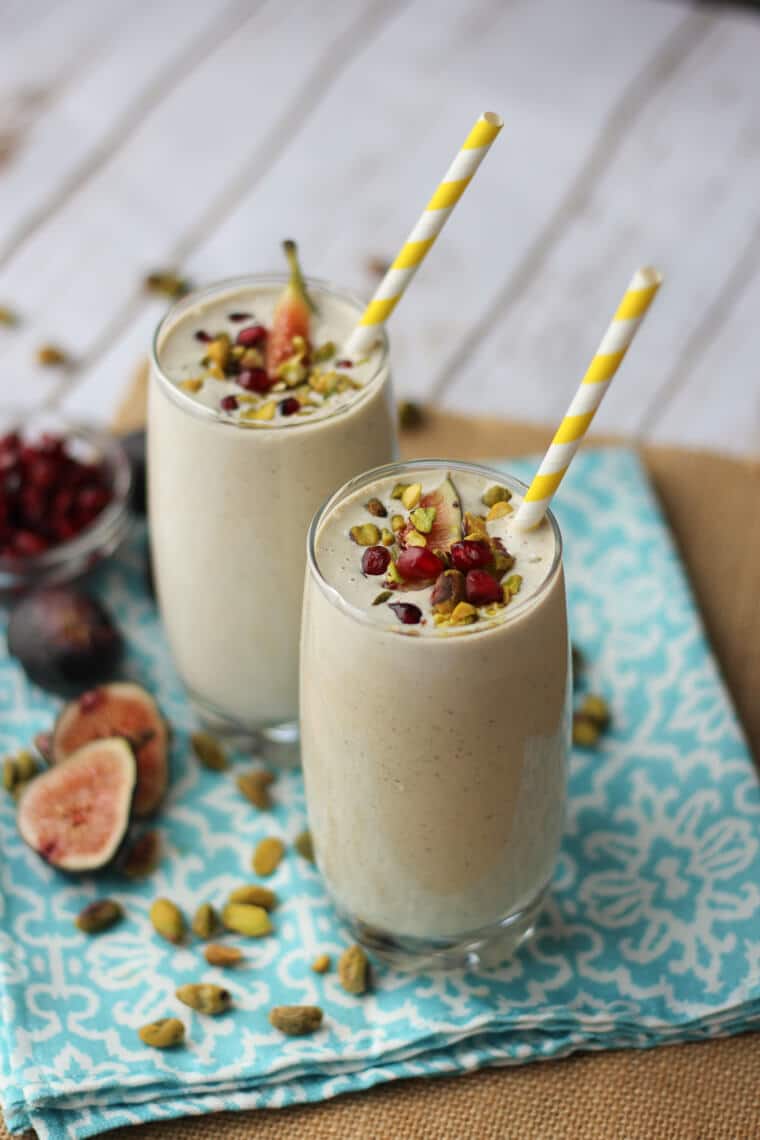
(412, 253)
(569, 436)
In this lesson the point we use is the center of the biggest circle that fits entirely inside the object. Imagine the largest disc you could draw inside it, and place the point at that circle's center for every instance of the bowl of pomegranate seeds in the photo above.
(64, 492)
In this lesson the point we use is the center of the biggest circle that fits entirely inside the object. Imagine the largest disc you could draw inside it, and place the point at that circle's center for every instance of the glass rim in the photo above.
(396, 468)
(316, 285)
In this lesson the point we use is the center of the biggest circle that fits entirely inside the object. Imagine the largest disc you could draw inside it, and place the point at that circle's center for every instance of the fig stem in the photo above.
(296, 276)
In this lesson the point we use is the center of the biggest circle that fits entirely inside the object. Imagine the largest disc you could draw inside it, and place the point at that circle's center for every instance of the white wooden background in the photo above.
(198, 133)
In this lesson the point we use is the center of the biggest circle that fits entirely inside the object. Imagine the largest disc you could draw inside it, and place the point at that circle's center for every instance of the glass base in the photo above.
(276, 744)
(484, 949)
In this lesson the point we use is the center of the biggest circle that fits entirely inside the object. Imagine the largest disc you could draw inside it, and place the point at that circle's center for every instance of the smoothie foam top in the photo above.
(433, 550)
(213, 348)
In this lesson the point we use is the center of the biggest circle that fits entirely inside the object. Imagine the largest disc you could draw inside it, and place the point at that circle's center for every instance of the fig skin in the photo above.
(58, 807)
(134, 445)
(120, 709)
(64, 639)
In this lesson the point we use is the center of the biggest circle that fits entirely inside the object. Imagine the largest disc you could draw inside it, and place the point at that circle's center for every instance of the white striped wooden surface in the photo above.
(136, 135)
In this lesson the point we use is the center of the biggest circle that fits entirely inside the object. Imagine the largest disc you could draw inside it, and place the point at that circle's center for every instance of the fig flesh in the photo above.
(64, 639)
(75, 815)
(447, 523)
(120, 709)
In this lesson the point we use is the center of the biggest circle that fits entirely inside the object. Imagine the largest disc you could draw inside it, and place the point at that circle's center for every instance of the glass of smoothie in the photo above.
(435, 710)
(253, 419)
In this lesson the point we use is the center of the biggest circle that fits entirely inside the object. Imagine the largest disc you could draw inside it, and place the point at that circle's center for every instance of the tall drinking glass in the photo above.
(230, 498)
(435, 738)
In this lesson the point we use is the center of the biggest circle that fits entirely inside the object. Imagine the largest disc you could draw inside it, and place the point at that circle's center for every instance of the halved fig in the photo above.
(75, 816)
(64, 639)
(120, 709)
(447, 525)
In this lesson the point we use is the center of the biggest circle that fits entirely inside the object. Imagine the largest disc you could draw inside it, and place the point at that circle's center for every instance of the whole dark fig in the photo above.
(64, 639)
(134, 445)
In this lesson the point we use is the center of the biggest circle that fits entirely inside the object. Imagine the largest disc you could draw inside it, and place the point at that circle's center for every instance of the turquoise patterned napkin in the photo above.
(652, 932)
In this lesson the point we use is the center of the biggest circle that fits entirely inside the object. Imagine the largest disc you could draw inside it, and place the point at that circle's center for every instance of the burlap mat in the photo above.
(705, 1091)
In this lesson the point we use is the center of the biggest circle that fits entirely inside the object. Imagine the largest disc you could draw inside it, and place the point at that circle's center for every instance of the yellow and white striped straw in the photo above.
(412, 253)
(569, 435)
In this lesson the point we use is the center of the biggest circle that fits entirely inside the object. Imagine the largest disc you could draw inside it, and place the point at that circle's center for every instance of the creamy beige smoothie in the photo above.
(239, 457)
(434, 707)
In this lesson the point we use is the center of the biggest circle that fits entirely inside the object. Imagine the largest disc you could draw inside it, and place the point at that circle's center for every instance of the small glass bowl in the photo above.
(77, 555)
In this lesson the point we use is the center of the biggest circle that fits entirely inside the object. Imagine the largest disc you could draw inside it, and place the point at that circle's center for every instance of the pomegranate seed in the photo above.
(344, 363)
(42, 472)
(473, 555)
(90, 700)
(289, 406)
(481, 588)
(10, 441)
(239, 317)
(27, 544)
(375, 559)
(91, 500)
(254, 380)
(203, 337)
(33, 505)
(64, 530)
(251, 335)
(51, 445)
(229, 403)
(406, 613)
(417, 562)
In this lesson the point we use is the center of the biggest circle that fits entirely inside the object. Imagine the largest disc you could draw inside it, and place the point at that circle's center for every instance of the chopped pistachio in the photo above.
(254, 785)
(412, 495)
(353, 970)
(392, 574)
(382, 597)
(252, 358)
(304, 845)
(498, 511)
(267, 856)
(192, 385)
(596, 708)
(398, 490)
(496, 494)
(26, 764)
(410, 416)
(464, 614)
(586, 732)
(166, 282)
(218, 351)
(414, 538)
(423, 519)
(50, 355)
(365, 535)
(209, 751)
(376, 509)
(397, 522)
(10, 773)
(514, 583)
(474, 526)
(502, 561)
(386, 537)
(7, 317)
(324, 351)
(323, 382)
(265, 412)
